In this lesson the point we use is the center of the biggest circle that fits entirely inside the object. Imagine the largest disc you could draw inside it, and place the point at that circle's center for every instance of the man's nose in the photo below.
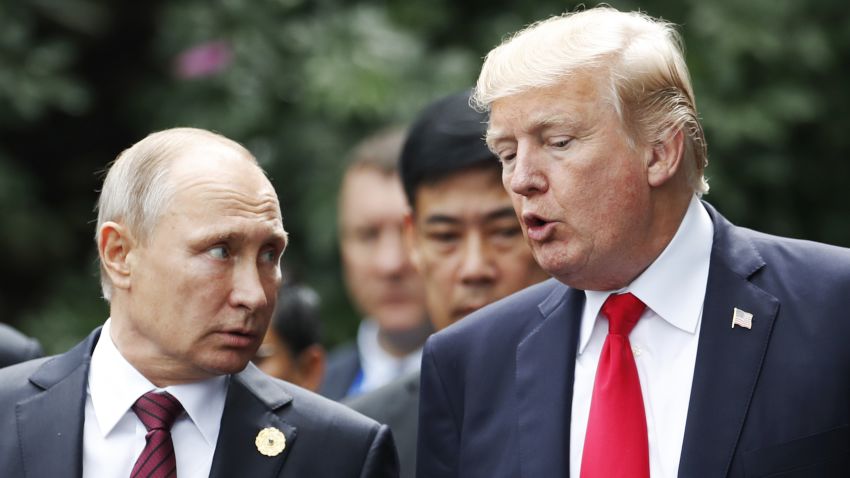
(391, 257)
(248, 290)
(476, 266)
(526, 176)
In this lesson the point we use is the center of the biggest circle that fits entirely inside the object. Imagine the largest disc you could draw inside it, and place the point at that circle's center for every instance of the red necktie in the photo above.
(157, 411)
(616, 444)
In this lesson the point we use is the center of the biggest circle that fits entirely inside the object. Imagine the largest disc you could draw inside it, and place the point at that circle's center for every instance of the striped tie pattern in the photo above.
(157, 411)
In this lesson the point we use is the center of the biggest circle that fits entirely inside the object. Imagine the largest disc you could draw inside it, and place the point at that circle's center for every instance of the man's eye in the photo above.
(509, 232)
(444, 237)
(560, 142)
(367, 235)
(219, 252)
(506, 158)
(269, 256)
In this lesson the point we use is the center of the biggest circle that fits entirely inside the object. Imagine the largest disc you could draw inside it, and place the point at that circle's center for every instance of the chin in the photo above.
(228, 365)
(402, 320)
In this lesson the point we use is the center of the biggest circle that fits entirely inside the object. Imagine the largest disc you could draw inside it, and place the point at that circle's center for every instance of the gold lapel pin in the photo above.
(742, 319)
(270, 441)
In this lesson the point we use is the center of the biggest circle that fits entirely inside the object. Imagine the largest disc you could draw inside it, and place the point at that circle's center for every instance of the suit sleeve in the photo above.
(381, 460)
(438, 441)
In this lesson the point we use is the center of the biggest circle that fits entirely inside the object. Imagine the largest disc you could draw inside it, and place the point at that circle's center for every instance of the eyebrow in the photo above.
(560, 119)
(501, 213)
(279, 238)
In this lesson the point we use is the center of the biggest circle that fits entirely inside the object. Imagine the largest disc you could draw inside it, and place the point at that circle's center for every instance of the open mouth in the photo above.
(537, 227)
(533, 220)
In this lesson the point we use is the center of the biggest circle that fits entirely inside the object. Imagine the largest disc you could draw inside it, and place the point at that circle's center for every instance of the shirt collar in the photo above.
(377, 362)
(114, 385)
(673, 286)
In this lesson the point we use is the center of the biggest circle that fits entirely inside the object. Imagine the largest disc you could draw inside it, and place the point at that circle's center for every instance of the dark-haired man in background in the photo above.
(465, 239)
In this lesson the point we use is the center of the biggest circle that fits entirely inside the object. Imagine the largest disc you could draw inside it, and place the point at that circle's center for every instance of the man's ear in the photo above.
(114, 247)
(311, 366)
(410, 240)
(666, 158)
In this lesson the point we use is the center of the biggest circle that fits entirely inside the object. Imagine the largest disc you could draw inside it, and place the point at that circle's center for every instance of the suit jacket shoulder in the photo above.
(503, 369)
(42, 408)
(784, 380)
(322, 438)
(341, 371)
(42, 404)
(770, 399)
(396, 404)
(16, 347)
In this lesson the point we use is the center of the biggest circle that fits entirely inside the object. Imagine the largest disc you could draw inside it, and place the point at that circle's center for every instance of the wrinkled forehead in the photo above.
(575, 100)
(224, 177)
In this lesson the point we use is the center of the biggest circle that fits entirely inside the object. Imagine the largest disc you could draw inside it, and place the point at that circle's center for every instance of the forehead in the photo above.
(581, 98)
(212, 184)
(369, 195)
(470, 194)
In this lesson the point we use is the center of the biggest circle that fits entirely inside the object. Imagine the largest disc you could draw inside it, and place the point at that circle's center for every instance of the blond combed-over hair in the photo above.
(641, 57)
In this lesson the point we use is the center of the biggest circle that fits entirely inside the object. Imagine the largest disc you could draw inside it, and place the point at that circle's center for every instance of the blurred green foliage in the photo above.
(299, 82)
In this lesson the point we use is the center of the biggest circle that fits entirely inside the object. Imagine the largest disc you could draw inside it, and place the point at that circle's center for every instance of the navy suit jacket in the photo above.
(496, 389)
(396, 404)
(42, 410)
(341, 371)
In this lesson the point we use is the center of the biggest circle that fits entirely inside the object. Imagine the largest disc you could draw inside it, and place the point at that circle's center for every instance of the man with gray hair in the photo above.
(670, 342)
(189, 236)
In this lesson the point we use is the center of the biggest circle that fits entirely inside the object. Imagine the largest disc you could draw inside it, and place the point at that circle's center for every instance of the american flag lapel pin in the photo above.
(742, 319)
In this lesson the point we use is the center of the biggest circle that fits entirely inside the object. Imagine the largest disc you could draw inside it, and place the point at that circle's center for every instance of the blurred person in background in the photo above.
(190, 236)
(16, 347)
(466, 242)
(292, 348)
(379, 277)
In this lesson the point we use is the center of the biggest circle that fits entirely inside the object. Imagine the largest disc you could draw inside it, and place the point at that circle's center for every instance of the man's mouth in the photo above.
(537, 227)
(239, 337)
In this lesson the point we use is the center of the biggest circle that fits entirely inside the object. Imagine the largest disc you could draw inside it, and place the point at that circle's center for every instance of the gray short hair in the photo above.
(648, 81)
(136, 190)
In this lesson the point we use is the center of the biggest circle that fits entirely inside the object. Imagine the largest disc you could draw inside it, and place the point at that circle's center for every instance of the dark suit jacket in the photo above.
(42, 409)
(395, 404)
(16, 347)
(770, 401)
(341, 372)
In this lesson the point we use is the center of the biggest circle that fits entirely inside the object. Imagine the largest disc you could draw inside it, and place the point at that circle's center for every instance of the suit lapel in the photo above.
(252, 399)
(545, 361)
(50, 424)
(729, 360)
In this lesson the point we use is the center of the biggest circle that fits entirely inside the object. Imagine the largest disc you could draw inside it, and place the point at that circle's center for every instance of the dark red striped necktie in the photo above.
(616, 444)
(157, 411)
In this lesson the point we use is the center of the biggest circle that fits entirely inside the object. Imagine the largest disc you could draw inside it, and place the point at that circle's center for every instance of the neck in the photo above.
(399, 343)
(667, 211)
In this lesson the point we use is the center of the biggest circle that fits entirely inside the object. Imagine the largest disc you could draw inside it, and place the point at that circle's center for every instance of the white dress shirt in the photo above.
(664, 343)
(113, 437)
(378, 366)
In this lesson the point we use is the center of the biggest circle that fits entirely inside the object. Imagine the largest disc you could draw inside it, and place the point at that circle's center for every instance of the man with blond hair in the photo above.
(190, 236)
(670, 342)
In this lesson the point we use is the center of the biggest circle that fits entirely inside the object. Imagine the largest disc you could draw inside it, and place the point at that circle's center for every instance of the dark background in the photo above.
(299, 82)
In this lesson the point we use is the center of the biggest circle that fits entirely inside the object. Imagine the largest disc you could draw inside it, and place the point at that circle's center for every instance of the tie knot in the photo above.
(623, 312)
(157, 410)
